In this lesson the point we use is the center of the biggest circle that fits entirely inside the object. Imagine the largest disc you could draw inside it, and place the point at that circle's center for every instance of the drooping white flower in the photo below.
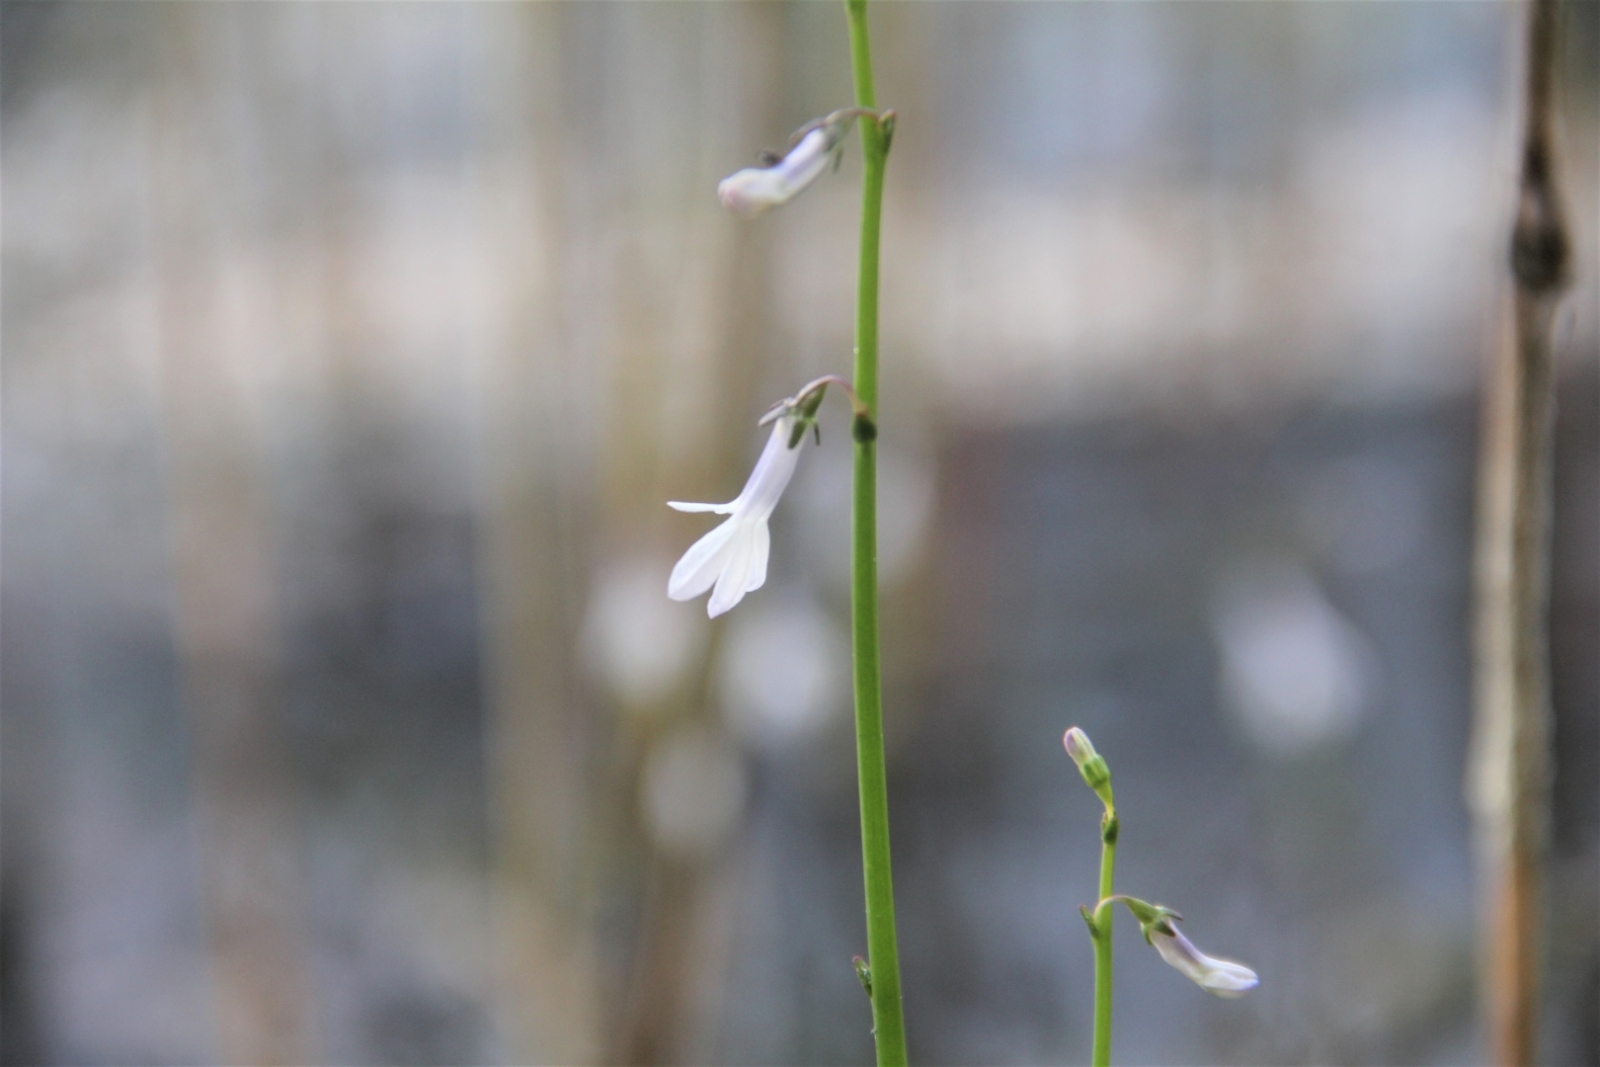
(754, 189)
(733, 557)
(1222, 977)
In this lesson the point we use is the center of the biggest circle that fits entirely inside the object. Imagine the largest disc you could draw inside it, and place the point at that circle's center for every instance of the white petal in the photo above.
(1229, 979)
(701, 565)
(773, 471)
(735, 570)
(751, 191)
(734, 555)
(806, 161)
(758, 559)
(720, 509)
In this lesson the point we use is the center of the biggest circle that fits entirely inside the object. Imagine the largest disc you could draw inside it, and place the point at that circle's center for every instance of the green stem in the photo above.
(1102, 940)
(887, 1021)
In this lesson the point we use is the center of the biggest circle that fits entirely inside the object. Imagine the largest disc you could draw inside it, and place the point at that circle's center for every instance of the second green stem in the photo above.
(1102, 940)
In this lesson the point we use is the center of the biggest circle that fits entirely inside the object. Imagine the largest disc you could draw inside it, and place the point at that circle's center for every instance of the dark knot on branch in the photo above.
(1540, 255)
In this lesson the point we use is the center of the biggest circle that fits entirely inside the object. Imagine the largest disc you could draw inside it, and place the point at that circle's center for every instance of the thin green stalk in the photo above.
(887, 1021)
(1102, 941)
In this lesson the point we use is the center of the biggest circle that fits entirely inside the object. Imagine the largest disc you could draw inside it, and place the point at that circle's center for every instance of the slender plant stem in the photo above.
(1102, 941)
(887, 1021)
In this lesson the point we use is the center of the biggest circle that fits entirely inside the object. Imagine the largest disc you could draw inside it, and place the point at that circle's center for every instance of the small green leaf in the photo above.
(864, 973)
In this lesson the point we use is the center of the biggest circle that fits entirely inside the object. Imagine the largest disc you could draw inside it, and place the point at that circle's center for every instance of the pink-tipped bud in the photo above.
(1078, 746)
(1090, 763)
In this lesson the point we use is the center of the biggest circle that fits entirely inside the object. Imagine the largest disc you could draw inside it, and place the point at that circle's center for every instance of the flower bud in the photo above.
(1222, 977)
(1090, 763)
(1078, 746)
(754, 189)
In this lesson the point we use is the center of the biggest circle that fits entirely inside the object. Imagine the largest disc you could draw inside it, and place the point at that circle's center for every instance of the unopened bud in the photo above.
(1090, 763)
(754, 189)
(1078, 746)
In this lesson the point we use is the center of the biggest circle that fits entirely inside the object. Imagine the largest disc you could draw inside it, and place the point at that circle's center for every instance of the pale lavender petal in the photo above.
(700, 565)
(1229, 979)
(720, 509)
(805, 161)
(735, 570)
(773, 471)
(758, 560)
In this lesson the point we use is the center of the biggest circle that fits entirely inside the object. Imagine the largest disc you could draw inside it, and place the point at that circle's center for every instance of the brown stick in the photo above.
(1510, 787)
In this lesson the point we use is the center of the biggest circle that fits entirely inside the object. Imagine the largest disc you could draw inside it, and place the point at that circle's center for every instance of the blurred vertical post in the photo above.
(547, 996)
(677, 246)
(225, 616)
(1510, 783)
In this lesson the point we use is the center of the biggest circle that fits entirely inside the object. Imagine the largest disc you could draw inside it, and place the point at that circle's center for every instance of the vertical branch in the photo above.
(1511, 758)
(884, 953)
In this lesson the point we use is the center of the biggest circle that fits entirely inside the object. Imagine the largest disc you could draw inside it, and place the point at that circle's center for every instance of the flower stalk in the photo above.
(1097, 776)
(883, 955)
(1102, 940)
(1224, 978)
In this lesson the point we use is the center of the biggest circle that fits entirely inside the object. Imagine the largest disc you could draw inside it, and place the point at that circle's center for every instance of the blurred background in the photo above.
(351, 352)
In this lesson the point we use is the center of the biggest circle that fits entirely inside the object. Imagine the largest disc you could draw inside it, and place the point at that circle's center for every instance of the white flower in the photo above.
(1222, 977)
(754, 189)
(734, 555)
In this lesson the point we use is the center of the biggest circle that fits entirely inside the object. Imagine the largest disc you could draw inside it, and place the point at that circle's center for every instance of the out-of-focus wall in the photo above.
(352, 351)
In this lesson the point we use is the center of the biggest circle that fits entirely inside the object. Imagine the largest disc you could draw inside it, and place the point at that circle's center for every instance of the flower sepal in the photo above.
(803, 406)
(886, 124)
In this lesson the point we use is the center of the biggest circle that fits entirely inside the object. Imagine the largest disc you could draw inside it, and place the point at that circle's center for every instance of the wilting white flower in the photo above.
(754, 189)
(1222, 977)
(734, 555)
